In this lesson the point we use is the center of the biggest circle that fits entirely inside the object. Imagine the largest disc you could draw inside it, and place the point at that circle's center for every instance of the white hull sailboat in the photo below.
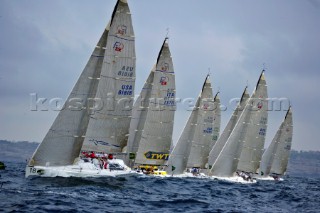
(192, 148)
(275, 159)
(93, 118)
(151, 127)
(242, 151)
(81, 169)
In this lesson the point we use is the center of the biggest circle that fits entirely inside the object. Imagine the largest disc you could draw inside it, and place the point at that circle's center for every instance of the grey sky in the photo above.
(44, 46)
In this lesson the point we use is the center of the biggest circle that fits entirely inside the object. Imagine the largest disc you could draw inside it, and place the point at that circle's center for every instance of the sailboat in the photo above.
(243, 149)
(191, 150)
(215, 151)
(97, 112)
(275, 159)
(151, 129)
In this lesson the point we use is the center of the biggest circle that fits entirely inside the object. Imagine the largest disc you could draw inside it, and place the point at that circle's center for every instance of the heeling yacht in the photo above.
(108, 77)
(275, 159)
(151, 128)
(193, 145)
(243, 148)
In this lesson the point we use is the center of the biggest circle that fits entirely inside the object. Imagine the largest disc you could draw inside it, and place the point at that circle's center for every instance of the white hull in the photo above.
(82, 169)
(267, 178)
(234, 179)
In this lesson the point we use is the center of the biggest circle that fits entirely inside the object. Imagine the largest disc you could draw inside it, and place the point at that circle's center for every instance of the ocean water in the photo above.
(153, 194)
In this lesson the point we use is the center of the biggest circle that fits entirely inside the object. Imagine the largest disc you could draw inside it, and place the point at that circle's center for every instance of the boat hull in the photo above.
(78, 170)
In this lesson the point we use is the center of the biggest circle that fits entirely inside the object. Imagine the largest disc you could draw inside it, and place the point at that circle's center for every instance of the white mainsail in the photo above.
(248, 135)
(275, 158)
(108, 125)
(156, 137)
(178, 158)
(63, 142)
(215, 151)
(203, 133)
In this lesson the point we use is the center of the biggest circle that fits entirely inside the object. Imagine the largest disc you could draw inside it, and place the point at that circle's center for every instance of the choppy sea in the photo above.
(153, 194)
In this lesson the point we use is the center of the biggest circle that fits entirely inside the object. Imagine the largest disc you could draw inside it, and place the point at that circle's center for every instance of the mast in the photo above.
(109, 124)
(156, 137)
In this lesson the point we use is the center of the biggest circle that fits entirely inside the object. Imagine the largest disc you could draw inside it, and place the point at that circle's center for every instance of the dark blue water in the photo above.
(150, 194)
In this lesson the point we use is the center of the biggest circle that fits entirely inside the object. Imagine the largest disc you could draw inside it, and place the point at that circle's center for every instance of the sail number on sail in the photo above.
(126, 71)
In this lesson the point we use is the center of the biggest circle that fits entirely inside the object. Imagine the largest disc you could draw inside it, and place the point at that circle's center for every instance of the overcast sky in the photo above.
(44, 46)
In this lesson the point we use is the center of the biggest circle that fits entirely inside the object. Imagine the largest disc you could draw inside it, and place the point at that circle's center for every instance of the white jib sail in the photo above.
(178, 158)
(156, 137)
(282, 153)
(215, 151)
(109, 123)
(62, 144)
(202, 137)
(139, 115)
(227, 161)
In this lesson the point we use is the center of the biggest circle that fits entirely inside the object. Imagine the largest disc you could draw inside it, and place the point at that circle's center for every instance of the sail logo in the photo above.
(262, 132)
(208, 130)
(122, 29)
(259, 105)
(164, 80)
(118, 46)
(103, 143)
(126, 71)
(156, 155)
(164, 66)
(205, 106)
